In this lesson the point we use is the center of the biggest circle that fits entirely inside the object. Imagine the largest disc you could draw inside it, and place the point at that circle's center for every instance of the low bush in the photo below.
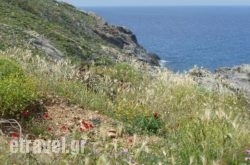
(8, 68)
(148, 124)
(16, 90)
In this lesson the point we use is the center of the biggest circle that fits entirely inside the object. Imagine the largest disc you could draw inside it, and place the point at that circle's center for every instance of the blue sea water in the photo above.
(211, 37)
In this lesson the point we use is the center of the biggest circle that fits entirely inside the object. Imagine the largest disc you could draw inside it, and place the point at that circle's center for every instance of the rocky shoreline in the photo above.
(233, 79)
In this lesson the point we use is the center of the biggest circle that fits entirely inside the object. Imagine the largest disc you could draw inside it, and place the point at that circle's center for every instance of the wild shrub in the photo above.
(8, 68)
(148, 124)
(16, 90)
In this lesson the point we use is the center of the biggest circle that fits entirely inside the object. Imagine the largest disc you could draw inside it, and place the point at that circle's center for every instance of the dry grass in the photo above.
(169, 118)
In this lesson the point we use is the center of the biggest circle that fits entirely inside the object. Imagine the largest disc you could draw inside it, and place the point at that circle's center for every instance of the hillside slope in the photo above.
(68, 74)
(59, 29)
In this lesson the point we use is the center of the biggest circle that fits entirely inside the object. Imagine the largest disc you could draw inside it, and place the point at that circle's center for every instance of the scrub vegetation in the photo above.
(128, 112)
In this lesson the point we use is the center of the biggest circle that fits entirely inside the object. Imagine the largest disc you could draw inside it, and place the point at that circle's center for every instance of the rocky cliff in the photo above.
(58, 29)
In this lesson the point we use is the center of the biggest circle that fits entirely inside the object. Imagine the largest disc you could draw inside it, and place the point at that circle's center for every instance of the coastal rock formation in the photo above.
(238, 78)
(125, 40)
(235, 79)
(208, 80)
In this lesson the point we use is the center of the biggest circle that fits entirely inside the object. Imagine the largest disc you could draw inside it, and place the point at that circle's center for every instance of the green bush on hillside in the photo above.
(16, 90)
(148, 124)
(8, 68)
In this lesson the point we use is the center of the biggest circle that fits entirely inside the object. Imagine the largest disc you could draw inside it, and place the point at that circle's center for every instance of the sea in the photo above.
(184, 37)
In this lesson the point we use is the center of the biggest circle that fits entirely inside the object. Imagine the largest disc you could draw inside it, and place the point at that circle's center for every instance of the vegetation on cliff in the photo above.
(56, 71)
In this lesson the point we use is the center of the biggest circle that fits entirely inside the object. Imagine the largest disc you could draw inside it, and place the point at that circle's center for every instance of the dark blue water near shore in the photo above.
(211, 37)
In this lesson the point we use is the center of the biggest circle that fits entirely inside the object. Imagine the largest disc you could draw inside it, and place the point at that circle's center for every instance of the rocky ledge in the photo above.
(235, 79)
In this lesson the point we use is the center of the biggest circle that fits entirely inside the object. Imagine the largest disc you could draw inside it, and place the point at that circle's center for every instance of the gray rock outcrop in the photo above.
(40, 42)
(238, 78)
(235, 79)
